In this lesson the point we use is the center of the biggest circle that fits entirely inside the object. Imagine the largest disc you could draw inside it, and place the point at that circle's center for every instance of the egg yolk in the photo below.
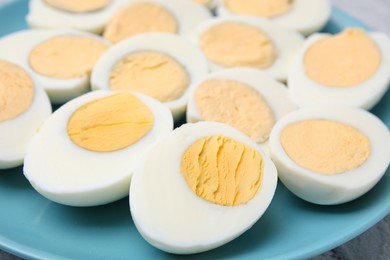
(152, 73)
(222, 171)
(325, 146)
(203, 2)
(343, 60)
(232, 44)
(139, 18)
(16, 90)
(110, 123)
(66, 57)
(236, 104)
(77, 6)
(263, 8)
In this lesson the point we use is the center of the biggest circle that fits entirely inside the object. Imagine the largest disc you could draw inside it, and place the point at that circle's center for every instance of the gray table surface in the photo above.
(375, 242)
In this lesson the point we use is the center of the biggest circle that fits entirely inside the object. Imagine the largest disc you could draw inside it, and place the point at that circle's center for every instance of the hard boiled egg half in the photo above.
(207, 185)
(248, 42)
(24, 106)
(160, 65)
(85, 153)
(304, 16)
(244, 98)
(351, 68)
(330, 154)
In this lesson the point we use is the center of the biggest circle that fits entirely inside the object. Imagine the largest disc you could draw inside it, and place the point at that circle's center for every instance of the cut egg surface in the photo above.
(86, 15)
(303, 16)
(350, 68)
(245, 98)
(84, 154)
(166, 16)
(160, 65)
(24, 106)
(330, 154)
(248, 42)
(207, 185)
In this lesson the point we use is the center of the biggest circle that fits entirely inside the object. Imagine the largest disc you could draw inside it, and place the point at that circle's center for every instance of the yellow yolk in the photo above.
(343, 60)
(264, 8)
(235, 104)
(66, 57)
(110, 123)
(77, 6)
(325, 146)
(151, 73)
(16, 90)
(222, 170)
(233, 44)
(139, 18)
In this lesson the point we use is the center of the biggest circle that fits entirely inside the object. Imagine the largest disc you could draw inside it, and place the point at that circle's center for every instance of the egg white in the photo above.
(337, 188)
(286, 42)
(188, 55)
(170, 216)
(306, 92)
(305, 16)
(64, 172)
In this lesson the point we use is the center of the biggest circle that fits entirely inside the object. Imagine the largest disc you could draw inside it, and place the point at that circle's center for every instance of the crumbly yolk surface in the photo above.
(263, 8)
(222, 170)
(16, 90)
(233, 44)
(325, 146)
(110, 123)
(343, 60)
(66, 57)
(77, 6)
(139, 18)
(236, 104)
(151, 73)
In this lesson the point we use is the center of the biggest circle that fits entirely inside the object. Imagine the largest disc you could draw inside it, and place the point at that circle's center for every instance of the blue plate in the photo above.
(33, 227)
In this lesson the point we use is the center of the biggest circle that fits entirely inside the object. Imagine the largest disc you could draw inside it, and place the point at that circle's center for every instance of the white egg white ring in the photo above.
(170, 216)
(305, 16)
(188, 55)
(286, 42)
(306, 92)
(43, 16)
(274, 93)
(16, 133)
(66, 173)
(338, 188)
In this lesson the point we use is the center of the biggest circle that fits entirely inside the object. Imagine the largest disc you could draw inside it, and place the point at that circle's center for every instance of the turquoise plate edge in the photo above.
(266, 240)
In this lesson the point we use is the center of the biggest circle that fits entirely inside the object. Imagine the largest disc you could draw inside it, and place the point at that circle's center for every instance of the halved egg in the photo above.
(61, 60)
(143, 16)
(85, 15)
(160, 65)
(304, 16)
(207, 185)
(24, 106)
(351, 68)
(248, 42)
(244, 98)
(85, 153)
(330, 154)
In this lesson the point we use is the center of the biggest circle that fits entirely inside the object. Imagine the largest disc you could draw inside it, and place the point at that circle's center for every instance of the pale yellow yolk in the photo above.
(16, 90)
(343, 60)
(232, 44)
(234, 103)
(139, 18)
(151, 73)
(325, 146)
(264, 8)
(77, 6)
(110, 123)
(222, 170)
(203, 2)
(66, 57)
